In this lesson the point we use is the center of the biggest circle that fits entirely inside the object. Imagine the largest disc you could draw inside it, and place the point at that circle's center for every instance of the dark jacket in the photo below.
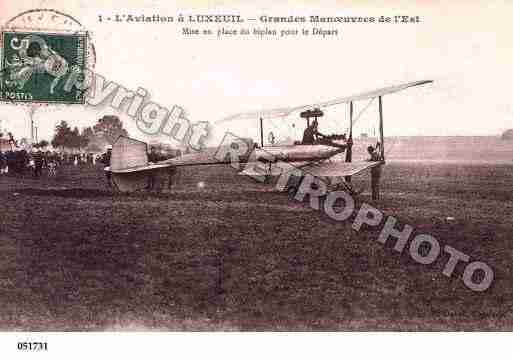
(106, 158)
(38, 158)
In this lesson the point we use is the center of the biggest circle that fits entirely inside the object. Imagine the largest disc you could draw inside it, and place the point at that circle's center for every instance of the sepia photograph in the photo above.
(274, 174)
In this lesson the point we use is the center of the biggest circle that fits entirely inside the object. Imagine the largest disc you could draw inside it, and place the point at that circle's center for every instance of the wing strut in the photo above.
(349, 150)
(381, 136)
(261, 132)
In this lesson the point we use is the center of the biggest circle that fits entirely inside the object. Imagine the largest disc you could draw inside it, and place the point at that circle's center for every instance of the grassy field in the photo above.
(234, 255)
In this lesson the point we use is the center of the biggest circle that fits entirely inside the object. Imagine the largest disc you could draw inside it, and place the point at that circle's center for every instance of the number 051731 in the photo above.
(32, 346)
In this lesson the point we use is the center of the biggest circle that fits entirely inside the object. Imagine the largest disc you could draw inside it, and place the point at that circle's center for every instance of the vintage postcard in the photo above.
(236, 166)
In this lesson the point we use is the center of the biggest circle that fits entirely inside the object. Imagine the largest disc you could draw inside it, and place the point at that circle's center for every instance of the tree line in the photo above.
(109, 128)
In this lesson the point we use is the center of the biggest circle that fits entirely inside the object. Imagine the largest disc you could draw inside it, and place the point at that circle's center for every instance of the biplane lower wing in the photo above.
(339, 168)
(322, 169)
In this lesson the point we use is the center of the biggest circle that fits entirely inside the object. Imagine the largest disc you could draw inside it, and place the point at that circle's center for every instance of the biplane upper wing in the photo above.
(286, 111)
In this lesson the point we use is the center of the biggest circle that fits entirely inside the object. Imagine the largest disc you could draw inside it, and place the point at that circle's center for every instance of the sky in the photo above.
(464, 47)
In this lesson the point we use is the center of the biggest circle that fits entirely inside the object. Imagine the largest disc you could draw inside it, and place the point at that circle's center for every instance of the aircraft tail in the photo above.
(128, 153)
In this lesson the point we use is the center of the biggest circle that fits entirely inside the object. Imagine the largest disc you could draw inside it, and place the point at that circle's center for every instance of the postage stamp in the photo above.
(39, 50)
(36, 64)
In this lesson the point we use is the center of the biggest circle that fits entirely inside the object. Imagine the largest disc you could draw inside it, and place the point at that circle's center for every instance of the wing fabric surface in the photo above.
(338, 169)
(323, 169)
(286, 111)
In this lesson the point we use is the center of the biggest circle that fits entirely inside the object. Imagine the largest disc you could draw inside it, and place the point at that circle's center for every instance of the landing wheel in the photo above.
(292, 191)
(293, 185)
(347, 187)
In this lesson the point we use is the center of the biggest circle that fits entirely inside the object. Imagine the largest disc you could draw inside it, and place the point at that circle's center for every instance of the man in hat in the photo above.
(375, 171)
(38, 158)
(311, 134)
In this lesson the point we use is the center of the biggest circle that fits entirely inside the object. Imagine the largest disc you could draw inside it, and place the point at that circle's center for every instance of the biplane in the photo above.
(130, 167)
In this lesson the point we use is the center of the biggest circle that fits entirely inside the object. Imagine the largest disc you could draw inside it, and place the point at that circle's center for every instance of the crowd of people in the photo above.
(22, 162)
(38, 163)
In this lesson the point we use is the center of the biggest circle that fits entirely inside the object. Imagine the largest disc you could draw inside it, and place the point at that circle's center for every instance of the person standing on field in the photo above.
(38, 159)
(153, 157)
(106, 162)
(375, 171)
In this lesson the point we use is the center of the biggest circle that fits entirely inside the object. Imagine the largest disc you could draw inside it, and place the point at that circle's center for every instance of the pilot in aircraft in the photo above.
(311, 135)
